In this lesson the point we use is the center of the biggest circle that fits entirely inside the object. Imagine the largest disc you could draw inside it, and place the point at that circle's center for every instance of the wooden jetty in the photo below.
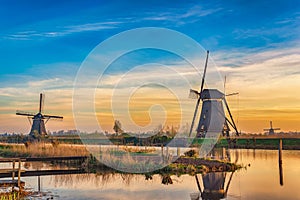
(15, 172)
(45, 159)
(12, 173)
(45, 172)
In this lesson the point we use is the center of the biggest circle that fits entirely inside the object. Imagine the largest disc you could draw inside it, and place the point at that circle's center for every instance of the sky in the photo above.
(255, 44)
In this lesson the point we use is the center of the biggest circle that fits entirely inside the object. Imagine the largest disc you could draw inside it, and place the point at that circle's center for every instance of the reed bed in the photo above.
(43, 150)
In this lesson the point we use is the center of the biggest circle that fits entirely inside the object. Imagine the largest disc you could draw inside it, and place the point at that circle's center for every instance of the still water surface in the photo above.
(260, 180)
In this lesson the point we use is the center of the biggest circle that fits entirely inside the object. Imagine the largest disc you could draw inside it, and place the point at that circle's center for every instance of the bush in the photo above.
(191, 153)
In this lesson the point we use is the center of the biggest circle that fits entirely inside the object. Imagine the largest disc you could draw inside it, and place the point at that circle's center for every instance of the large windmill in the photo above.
(271, 130)
(212, 117)
(38, 124)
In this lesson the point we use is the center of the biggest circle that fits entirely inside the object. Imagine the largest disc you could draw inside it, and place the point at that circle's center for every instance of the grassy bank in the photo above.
(261, 143)
(244, 142)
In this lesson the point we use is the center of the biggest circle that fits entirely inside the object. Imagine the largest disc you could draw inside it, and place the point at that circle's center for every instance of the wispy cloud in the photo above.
(63, 31)
(280, 28)
(189, 15)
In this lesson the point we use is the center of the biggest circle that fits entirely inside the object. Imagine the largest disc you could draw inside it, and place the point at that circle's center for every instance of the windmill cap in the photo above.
(211, 94)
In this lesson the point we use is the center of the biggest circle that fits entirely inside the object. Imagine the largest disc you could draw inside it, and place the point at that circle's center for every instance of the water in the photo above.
(260, 180)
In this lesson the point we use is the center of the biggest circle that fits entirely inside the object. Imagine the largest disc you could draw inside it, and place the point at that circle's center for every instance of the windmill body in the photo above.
(38, 128)
(212, 118)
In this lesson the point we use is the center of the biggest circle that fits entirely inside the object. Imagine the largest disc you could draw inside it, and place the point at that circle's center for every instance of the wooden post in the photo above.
(280, 162)
(178, 151)
(280, 151)
(13, 174)
(162, 152)
(254, 142)
(13, 171)
(39, 183)
(100, 153)
(19, 176)
(167, 153)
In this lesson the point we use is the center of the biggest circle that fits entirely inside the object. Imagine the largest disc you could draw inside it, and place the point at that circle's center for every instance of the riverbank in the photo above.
(290, 142)
(259, 143)
(243, 142)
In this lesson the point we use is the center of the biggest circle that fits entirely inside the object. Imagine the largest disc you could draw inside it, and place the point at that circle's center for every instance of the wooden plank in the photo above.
(38, 159)
(6, 160)
(9, 170)
(45, 172)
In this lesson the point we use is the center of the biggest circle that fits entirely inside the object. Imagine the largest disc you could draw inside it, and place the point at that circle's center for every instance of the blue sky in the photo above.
(42, 43)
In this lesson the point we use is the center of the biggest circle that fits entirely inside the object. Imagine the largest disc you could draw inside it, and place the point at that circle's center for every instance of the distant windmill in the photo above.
(271, 129)
(38, 125)
(212, 112)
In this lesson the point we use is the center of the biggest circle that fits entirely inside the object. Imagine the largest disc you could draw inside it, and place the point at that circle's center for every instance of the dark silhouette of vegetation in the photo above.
(118, 127)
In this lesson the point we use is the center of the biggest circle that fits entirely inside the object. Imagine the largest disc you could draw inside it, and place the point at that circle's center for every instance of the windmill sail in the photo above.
(199, 98)
(29, 114)
(53, 116)
(42, 100)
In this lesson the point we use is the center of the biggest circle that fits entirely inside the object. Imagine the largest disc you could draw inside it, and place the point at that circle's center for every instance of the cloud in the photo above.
(63, 31)
(275, 31)
(281, 61)
(189, 15)
(266, 81)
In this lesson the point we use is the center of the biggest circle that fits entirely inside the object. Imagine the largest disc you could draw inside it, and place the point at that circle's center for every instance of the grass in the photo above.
(257, 143)
(139, 150)
(14, 195)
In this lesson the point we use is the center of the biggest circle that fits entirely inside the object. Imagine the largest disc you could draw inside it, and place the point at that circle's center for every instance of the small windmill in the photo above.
(271, 130)
(212, 117)
(38, 124)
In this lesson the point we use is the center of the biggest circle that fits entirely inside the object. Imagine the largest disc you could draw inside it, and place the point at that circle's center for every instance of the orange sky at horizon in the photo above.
(267, 92)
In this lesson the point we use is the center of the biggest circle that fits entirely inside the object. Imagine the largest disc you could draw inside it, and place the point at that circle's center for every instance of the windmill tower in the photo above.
(38, 124)
(271, 130)
(212, 117)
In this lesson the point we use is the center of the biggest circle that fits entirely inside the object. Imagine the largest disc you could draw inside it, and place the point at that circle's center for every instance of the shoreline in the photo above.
(268, 143)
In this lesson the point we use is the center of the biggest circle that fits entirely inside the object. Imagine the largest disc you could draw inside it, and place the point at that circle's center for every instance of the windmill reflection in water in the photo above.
(214, 186)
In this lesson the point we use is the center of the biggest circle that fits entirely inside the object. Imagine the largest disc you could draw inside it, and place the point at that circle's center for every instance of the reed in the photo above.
(139, 149)
(44, 150)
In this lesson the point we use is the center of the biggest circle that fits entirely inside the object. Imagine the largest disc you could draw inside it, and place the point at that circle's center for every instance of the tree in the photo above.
(118, 127)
